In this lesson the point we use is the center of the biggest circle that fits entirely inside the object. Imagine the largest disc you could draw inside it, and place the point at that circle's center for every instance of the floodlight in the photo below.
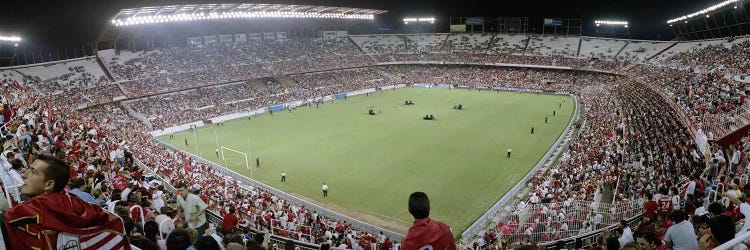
(609, 22)
(10, 39)
(261, 13)
(418, 19)
(703, 11)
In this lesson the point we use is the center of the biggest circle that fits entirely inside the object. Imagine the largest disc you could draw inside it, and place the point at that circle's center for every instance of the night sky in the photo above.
(59, 24)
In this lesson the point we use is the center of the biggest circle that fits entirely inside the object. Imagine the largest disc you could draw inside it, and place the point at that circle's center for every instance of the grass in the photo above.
(373, 163)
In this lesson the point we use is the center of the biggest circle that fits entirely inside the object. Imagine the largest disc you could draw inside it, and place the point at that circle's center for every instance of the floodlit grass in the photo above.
(373, 163)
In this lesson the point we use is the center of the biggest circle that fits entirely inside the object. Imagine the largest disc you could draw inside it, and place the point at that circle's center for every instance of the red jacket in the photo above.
(649, 209)
(230, 221)
(428, 232)
(59, 220)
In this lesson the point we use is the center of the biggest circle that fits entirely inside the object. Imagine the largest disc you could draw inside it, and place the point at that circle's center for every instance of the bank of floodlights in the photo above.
(419, 20)
(9, 39)
(611, 23)
(702, 12)
(235, 15)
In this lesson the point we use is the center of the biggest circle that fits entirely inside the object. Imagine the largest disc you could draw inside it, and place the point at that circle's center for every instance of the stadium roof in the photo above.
(173, 13)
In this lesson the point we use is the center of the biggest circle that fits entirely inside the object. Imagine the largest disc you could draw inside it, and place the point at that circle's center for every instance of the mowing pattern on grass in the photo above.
(373, 162)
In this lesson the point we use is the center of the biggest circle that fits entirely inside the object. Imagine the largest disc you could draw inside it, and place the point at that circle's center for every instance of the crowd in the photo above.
(629, 148)
(208, 102)
(729, 58)
(711, 100)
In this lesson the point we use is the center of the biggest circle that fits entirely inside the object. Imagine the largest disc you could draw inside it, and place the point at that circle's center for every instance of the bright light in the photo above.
(236, 15)
(10, 39)
(419, 19)
(15, 45)
(605, 22)
(703, 11)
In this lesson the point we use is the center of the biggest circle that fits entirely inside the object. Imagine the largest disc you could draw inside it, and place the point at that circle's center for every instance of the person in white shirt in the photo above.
(194, 209)
(627, 234)
(325, 190)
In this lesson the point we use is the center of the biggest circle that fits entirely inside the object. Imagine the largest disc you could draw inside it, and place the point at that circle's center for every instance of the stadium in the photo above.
(318, 126)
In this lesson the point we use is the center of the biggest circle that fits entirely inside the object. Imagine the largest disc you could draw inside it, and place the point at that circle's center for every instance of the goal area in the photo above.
(233, 157)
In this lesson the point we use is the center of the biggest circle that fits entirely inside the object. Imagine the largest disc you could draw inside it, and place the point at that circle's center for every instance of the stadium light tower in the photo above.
(12, 39)
(705, 11)
(612, 27)
(8, 57)
(418, 23)
(430, 20)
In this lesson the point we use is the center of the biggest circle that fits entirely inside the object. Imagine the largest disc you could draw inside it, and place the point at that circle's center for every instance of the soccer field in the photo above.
(372, 163)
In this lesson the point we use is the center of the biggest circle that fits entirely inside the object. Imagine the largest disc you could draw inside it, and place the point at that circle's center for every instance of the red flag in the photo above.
(186, 165)
(120, 182)
(15, 84)
(59, 220)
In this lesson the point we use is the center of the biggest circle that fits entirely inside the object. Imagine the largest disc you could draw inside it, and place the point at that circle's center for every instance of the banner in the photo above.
(276, 108)
(553, 22)
(341, 96)
(458, 28)
(475, 20)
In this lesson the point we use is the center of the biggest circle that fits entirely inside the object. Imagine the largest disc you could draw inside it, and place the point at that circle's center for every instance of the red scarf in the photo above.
(59, 220)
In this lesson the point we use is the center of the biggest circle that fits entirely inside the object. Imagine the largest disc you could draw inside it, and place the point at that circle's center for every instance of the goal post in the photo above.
(225, 150)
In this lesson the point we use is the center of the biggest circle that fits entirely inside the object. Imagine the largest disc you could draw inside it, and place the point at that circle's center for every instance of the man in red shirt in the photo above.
(650, 207)
(230, 222)
(426, 233)
(665, 204)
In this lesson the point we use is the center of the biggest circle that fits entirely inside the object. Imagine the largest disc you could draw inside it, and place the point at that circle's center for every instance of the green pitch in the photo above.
(372, 163)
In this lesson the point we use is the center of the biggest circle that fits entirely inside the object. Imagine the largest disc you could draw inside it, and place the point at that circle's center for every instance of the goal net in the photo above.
(234, 158)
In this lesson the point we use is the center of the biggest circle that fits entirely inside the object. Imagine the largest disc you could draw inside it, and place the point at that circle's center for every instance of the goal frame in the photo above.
(223, 157)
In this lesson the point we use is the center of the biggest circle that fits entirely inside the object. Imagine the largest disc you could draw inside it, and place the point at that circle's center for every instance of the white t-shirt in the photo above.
(325, 187)
(192, 205)
(745, 210)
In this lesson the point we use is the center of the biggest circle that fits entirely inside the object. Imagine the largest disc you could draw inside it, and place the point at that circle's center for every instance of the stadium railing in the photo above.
(737, 241)
(590, 237)
(481, 222)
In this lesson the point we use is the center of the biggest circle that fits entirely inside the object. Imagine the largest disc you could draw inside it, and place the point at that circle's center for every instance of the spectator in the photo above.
(425, 231)
(55, 210)
(647, 240)
(207, 243)
(194, 209)
(179, 240)
(230, 222)
(79, 185)
(680, 236)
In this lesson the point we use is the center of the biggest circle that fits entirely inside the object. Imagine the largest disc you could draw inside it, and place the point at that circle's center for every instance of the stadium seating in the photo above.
(469, 42)
(425, 43)
(603, 49)
(627, 145)
(510, 44)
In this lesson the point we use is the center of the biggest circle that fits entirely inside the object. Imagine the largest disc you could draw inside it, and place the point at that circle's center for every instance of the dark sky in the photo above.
(59, 24)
